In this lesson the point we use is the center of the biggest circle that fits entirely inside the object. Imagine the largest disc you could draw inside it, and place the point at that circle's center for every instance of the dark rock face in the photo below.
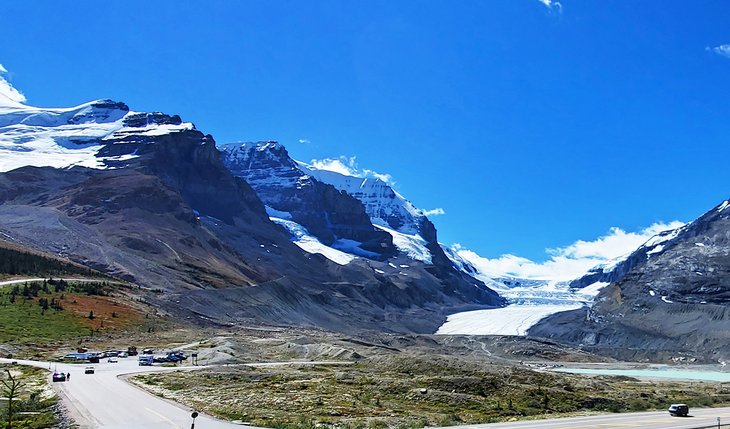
(139, 120)
(100, 111)
(125, 223)
(327, 213)
(618, 272)
(671, 299)
(189, 162)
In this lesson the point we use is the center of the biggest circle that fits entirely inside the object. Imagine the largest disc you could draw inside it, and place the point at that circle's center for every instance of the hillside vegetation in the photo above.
(55, 310)
(412, 392)
(14, 261)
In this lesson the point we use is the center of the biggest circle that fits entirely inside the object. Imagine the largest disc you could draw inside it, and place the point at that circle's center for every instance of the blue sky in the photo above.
(531, 124)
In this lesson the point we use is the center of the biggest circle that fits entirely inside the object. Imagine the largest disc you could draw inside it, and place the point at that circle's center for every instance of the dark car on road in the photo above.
(59, 376)
(678, 410)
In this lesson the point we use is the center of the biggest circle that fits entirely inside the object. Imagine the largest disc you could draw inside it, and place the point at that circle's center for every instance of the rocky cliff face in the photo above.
(327, 213)
(382, 203)
(413, 234)
(671, 302)
(616, 270)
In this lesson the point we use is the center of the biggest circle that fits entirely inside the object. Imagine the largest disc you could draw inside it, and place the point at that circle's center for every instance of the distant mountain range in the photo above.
(243, 232)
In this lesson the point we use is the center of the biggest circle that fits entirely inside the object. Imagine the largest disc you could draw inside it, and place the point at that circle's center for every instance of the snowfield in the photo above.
(514, 319)
(530, 301)
(528, 305)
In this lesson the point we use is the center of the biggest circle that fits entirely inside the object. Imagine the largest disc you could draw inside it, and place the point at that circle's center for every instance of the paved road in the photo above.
(70, 279)
(103, 400)
(699, 418)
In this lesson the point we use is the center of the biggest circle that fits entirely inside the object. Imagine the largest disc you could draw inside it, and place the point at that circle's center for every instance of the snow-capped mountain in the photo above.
(304, 205)
(385, 206)
(669, 296)
(285, 185)
(67, 137)
(293, 192)
(146, 197)
(412, 232)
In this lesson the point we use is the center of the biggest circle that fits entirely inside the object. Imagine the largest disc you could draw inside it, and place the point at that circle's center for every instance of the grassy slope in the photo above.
(24, 321)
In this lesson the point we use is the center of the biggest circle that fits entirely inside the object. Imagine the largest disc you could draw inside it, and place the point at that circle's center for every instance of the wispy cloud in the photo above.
(434, 212)
(569, 262)
(552, 5)
(722, 50)
(304, 141)
(349, 167)
(7, 90)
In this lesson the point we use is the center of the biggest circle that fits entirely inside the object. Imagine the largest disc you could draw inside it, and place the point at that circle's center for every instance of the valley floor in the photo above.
(370, 381)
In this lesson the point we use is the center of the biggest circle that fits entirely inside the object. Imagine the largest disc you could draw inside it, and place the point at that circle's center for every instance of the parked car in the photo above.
(89, 370)
(176, 356)
(145, 360)
(678, 410)
(59, 376)
(112, 360)
(123, 354)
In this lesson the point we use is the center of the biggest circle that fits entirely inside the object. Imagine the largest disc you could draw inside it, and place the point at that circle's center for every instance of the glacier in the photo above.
(74, 136)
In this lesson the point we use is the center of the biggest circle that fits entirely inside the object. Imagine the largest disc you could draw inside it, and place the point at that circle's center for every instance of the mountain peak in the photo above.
(10, 98)
(75, 136)
(386, 207)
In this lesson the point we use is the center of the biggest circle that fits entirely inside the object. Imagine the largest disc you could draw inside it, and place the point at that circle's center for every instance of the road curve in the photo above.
(103, 400)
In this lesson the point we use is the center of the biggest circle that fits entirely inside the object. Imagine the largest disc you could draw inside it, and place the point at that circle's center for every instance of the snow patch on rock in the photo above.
(310, 244)
(413, 245)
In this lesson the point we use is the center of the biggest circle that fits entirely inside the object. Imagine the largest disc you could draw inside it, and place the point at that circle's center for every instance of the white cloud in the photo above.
(552, 4)
(349, 167)
(434, 212)
(340, 165)
(7, 90)
(569, 262)
(304, 141)
(722, 50)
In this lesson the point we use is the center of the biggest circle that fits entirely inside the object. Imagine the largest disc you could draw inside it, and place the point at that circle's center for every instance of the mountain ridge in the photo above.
(146, 197)
(671, 301)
